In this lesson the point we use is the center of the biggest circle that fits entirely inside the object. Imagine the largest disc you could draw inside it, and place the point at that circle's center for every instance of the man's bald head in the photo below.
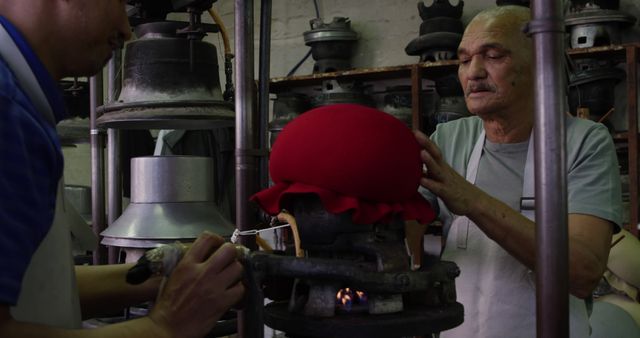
(507, 16)
(510, 21)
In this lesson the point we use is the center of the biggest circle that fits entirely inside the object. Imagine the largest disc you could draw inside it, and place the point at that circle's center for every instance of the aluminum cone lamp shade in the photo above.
(171, 199)
(170, 82)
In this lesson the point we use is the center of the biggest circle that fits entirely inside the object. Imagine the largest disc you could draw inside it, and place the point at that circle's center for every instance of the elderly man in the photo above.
(480, 167)
(41, 42)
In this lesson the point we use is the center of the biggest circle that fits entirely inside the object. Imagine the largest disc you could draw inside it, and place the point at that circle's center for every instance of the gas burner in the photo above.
(440, 31)
(356, 280)
(591, 26)
(331, 44)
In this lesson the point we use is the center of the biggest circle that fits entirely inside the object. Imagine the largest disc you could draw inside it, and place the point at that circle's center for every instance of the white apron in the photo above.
(497, 291)
(49, 293)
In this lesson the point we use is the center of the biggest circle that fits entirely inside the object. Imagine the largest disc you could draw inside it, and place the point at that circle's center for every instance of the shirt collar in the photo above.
(49, 86)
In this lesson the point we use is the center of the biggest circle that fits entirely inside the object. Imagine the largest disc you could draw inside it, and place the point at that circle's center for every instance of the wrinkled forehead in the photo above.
(494, 32)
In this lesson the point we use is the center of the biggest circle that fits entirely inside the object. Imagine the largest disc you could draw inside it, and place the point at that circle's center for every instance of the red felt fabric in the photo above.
(354, 158)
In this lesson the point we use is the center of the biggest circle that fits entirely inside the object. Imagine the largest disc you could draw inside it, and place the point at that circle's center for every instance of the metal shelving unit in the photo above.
(628, 54)
(415, 72)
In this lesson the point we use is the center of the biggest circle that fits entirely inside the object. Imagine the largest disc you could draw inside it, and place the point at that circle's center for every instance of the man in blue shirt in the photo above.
(40, 43)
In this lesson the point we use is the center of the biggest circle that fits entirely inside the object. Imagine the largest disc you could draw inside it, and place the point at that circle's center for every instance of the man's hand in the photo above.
(454, 190)
(203, 286)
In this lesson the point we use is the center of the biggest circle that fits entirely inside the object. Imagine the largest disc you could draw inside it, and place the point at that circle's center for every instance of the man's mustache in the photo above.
(479, 87)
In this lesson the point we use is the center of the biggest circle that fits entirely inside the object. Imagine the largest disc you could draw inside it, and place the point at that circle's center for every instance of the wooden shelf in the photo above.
(428, 70)
(611, 52)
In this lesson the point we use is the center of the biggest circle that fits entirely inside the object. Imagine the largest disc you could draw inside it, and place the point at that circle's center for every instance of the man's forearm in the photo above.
(138, 328)
(588, 240)
(511, 230)
(104, 291)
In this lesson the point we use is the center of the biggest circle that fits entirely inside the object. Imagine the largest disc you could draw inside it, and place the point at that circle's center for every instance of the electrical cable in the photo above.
(228, 94)
(223, 30)
(295, 68)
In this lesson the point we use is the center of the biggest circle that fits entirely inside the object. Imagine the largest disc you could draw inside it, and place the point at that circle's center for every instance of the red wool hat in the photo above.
(354, 158)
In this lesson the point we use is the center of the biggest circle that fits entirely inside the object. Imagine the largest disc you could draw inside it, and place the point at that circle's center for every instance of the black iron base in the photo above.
(418, 320)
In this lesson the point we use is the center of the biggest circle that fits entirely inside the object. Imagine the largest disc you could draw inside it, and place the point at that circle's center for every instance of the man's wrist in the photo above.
(159, 330)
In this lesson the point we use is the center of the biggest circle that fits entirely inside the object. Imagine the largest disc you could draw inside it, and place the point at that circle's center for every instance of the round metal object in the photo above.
(597, 15)
(416, 320)
(441, 24)
(585, 36)
(166, 179)
(594, 89)
(334, 92)
(331, 44)
(286, 107)
(434, 41)
(337, 30)
(171, 199)
(179, 114)
(146, 225)
(169, 82)
(398, 103)
(441, 8)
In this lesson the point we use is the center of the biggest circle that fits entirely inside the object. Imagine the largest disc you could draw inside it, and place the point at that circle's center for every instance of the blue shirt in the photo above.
(31, 165)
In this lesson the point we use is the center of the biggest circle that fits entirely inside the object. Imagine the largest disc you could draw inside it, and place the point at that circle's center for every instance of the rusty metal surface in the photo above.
(359, 275)
(416, 320)
(615, 52)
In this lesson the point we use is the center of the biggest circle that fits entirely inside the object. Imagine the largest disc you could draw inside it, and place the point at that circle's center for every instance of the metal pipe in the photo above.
(114, 171)
(263, 91)
(250, 320)
(97, 168)
(552, 258)
(244, 105)
(632, 136)
(114, 189)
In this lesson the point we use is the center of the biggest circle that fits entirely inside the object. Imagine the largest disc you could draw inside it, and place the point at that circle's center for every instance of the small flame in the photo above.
(346, 298)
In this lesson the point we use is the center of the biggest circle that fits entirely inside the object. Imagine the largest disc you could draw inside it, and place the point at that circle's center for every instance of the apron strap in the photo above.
(462, 231)
(527, 201)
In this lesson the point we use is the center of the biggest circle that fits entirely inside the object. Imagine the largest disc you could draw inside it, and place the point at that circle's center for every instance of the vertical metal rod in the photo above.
(416, 90)
(97, 168)
(244, 104)
(632, 136)
(114, 189)
(263, 91)
(552, 258)
(114, 171)
(250, 321)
